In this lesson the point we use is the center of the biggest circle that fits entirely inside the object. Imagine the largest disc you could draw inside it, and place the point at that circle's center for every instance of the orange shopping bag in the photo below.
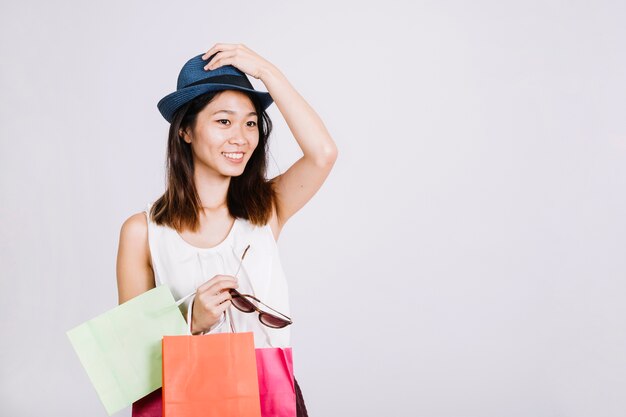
(210, 376)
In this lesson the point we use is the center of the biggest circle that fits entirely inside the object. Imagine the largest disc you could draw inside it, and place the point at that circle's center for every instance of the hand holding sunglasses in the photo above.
(210, 302)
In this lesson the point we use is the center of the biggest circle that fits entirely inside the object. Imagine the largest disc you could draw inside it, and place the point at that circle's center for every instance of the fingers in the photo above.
(220, 308)
(222, 286)
(211, 300)
(237, 55)
(222, 298)
(212, 303)
(216, 49)
(208, 308)
(222, 58)
(222, 47)
(226, 281)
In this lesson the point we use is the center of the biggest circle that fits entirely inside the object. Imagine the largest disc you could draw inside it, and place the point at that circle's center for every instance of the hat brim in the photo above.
(170, 103)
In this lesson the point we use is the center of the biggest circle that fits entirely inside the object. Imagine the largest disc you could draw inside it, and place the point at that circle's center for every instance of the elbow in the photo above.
(327, 155)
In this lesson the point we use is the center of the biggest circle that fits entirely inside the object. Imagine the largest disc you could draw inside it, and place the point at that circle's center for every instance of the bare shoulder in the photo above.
(134, 235)
(136, 225)
(134, 269)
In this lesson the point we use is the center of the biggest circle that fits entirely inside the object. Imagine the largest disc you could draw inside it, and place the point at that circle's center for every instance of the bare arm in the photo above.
(135, 276)
(134, 272)
(296, 186)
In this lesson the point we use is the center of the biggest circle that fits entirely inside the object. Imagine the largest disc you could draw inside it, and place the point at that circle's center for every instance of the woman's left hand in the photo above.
(239, 56)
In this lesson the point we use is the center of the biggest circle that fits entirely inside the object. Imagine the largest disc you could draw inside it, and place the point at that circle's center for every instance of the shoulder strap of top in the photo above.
(151, 224)
(147, 209)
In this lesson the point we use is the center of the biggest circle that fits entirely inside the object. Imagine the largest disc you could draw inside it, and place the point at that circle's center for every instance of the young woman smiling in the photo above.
(218, 202)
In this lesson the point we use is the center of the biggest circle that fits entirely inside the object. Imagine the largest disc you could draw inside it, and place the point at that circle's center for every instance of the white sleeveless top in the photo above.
(184, 267)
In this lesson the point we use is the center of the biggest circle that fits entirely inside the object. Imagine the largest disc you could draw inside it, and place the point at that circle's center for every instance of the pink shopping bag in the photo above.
(276, 384)
(149, 406)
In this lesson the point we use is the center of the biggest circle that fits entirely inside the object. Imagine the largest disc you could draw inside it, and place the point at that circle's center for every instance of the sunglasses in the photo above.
(243, 303)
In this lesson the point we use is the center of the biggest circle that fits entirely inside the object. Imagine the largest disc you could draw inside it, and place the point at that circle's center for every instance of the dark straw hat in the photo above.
(194, 81)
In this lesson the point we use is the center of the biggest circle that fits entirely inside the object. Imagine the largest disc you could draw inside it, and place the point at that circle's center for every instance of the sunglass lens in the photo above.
(241, 303)
(273, 321)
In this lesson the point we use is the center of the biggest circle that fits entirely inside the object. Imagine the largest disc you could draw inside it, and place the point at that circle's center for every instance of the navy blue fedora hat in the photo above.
(194, 81)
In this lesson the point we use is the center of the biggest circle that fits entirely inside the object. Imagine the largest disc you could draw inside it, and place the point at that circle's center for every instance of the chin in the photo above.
(232, 172)
(228, 169)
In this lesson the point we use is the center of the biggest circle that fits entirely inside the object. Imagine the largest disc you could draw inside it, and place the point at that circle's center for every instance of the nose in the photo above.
(237, 140)
(238, 136)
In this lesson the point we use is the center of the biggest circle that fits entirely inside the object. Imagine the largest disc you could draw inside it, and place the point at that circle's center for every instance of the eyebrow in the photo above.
(252, 113)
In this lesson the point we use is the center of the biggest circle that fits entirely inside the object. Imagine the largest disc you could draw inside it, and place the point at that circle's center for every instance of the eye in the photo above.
(223, 121)
(251, 124)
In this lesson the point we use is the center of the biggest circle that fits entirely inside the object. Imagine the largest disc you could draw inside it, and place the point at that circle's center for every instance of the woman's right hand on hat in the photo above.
(239, 56)
(211, 300)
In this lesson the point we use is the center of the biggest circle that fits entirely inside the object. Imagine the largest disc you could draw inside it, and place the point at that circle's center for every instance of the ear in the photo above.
(184, 135)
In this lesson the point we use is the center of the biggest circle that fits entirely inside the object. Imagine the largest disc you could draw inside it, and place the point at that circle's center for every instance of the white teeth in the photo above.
(234, 155)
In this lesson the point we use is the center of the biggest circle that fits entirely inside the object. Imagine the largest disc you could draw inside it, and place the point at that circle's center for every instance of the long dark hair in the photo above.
(250, 195)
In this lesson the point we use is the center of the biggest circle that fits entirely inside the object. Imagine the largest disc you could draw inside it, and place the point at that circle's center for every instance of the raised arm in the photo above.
(300, 182)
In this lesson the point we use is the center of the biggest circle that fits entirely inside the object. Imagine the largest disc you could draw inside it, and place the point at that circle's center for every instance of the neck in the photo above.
(212, 189)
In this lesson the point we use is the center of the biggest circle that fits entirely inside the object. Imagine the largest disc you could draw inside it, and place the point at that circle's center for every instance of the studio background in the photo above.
(464, 258)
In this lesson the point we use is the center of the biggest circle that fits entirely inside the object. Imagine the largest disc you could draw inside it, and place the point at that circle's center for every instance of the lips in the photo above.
(233, 156)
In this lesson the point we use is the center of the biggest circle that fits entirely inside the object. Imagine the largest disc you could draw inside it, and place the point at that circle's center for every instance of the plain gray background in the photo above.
(464, 258)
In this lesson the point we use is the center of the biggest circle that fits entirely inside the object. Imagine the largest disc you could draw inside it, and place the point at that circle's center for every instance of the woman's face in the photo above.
(225, 134)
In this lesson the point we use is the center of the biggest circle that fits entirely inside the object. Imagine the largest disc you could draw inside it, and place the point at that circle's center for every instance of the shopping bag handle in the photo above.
(182, 300)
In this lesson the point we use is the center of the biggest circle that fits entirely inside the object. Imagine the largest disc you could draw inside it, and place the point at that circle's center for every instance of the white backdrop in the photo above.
(464, 258)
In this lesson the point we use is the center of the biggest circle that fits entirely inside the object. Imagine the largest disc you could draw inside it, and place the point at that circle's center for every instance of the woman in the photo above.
(217, 203)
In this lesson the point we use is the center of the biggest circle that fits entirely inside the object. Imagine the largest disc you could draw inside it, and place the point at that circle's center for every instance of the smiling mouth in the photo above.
(233, 156)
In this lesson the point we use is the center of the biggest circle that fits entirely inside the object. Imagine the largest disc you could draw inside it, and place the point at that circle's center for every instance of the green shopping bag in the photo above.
(121, 349)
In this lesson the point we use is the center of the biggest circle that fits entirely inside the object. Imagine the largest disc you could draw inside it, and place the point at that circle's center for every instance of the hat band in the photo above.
(234, 80)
